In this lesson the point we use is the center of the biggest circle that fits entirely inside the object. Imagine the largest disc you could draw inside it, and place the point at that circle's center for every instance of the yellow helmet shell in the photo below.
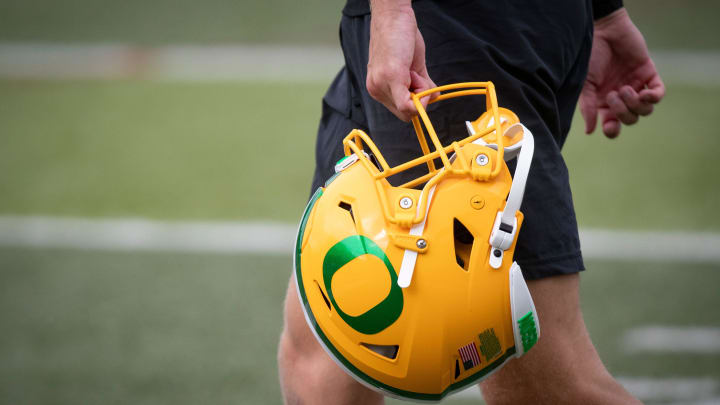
(460, 318)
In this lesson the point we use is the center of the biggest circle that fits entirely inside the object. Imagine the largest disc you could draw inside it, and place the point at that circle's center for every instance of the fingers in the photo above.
(401, 102)
(634, 103)
(615, 113)
(391, 88)
(420, 83)
(619, 109)
(626, 106)
(654, 92)
(403, 106)
(396, 94)
(610, 125)
(588, 107)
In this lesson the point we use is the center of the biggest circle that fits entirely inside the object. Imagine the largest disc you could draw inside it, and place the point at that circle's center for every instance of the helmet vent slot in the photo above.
(457, 368)
(463, 244)
(460, 261)
(388, 351)
(322, 293)
(347, 207)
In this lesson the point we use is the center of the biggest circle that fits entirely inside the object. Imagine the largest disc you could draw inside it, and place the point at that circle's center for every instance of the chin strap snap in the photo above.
(504, 229)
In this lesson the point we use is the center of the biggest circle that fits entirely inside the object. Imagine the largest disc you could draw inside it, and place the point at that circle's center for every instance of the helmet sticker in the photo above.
(489, 344)
(384, 314)
(528, 331)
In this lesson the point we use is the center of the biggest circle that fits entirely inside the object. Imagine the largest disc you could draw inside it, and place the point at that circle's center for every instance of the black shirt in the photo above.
(600, 8)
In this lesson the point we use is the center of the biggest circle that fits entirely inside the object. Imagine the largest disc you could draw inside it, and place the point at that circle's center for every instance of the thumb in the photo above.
(589, 108)
(419, 83)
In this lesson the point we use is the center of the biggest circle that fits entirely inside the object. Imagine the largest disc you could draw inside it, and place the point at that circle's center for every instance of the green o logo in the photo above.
(383, 314)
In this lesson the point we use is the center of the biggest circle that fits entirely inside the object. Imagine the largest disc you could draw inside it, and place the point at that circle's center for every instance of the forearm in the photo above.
(382, 6)
(396, 57)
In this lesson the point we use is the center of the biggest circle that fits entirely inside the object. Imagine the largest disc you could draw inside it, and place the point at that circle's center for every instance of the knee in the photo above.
(308, 375)
(287, 351)
(297, 346)
(296, 367)
(293, 355)
(301, 360)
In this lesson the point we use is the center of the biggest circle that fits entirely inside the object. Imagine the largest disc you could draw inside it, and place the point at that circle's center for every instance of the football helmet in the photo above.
(412, 289)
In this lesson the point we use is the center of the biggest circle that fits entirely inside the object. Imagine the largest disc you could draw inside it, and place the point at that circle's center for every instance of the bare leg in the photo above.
(563, 367)
(308, 375)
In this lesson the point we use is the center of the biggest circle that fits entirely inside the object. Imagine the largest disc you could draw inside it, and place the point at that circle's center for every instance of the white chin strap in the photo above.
(410, 257)
(505, 226)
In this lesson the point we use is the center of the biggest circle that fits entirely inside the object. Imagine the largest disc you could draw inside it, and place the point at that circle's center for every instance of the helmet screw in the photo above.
(477, 202)
(421, 243)
(406, 202)
(497, 253)
(482, 159)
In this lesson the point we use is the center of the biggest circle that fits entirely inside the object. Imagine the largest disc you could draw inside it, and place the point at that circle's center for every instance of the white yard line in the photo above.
(147, 235)
(654, 246)
(688, 391)
(40, 60)
(182, 63)
(672, 339)
(693, 390)
(131, 234)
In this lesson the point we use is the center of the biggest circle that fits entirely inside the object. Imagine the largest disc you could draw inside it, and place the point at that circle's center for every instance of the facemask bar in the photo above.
(353, 143)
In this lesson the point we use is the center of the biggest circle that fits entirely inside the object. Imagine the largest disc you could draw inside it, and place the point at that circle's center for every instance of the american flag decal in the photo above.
(469, 356)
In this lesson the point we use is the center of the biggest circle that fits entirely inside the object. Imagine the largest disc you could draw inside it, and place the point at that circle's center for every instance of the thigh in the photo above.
(308, 375)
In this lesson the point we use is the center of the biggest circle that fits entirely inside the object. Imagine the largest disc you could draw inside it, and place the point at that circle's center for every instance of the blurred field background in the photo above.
(122, 326)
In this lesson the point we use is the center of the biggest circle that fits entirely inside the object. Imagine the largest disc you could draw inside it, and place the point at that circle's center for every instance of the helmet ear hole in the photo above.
(463, 239)
(388, 351)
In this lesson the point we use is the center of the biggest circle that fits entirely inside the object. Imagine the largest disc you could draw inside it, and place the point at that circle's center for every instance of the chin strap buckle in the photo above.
(501, 238)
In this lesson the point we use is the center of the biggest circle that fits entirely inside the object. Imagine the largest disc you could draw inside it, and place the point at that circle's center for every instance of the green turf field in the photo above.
(170, 21)
(223, 150)
(245, 150)
(186, 329)
(94, 327)
(664, 23)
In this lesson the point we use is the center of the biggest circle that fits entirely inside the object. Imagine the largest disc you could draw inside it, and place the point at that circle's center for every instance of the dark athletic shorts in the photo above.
(535, 52)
